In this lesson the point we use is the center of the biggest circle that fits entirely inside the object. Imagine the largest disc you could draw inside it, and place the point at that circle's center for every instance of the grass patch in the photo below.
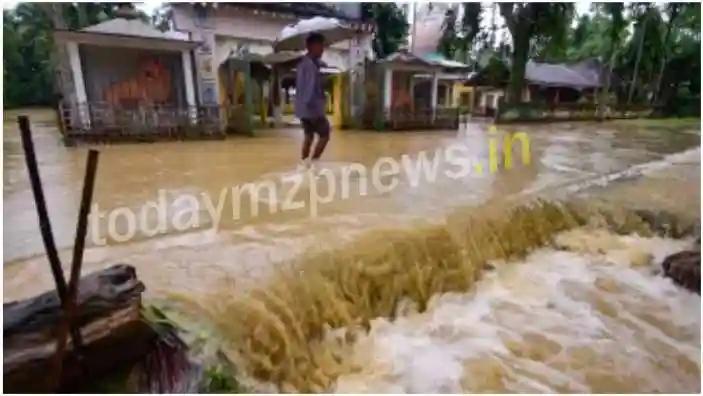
(666, 123)
(297, 330)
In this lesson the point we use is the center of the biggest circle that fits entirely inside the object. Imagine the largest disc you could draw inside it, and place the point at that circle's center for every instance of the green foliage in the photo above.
(218, 380)
(204, 346)
(542, 25)
(391, 27)
(28, 77)
(460, 29)
(653, 50)
(450, 39)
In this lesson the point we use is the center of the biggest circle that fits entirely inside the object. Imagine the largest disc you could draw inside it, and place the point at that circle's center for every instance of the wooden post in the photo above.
(262, 102)
(76, 264)
(67, 294)
(47, 234)
(114, 334)
(42, 214)
(434, 93)
(248, 106)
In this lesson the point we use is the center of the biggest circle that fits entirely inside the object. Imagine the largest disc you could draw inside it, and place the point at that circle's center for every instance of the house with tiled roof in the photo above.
(544, 82)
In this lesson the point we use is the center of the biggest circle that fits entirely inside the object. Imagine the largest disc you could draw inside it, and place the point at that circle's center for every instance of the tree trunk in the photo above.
(662, 64)
(605, 91)
(521, 49)
(108, 313)
(637, 60)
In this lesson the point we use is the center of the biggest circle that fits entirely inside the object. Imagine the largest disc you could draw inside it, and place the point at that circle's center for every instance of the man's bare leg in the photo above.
(307, 145)
(323, 129)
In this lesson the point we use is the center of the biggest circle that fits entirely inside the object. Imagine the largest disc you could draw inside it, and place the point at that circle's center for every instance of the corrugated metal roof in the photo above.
(558, 74)
(406, 57)
(585, 74)
(439, 59)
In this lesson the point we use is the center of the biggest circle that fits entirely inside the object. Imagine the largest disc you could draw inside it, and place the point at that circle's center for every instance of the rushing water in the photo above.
(593, 318)
(557, 322)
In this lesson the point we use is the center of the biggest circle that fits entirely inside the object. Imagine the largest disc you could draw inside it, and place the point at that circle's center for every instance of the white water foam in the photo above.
(692, 156)
(591, 319)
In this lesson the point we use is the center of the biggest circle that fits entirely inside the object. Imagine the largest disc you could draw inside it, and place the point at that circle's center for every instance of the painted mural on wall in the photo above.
(151, 85)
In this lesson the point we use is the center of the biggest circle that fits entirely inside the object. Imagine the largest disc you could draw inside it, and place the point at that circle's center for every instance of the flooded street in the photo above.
(589, 317)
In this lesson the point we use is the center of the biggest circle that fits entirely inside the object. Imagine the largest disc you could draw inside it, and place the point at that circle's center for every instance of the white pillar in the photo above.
(387, 89)
(189, 78)
(189, 84)
(78, 83)
(435, 89)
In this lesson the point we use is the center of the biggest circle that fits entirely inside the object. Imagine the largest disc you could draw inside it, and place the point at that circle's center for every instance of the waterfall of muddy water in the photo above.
(585, 314)
(593, 320)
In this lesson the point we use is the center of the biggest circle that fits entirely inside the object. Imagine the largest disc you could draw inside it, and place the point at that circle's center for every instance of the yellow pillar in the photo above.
(337, 101)
(456, 94)
(239, 91)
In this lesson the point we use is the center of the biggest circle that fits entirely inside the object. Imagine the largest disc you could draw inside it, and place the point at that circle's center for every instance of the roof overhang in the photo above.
(123, 40)
(417, 67)
(407, 61)
(268, 60)
(560, 85)
(443, 76)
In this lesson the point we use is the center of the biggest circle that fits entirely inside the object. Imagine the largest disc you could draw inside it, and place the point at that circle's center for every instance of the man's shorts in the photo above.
(319, 126)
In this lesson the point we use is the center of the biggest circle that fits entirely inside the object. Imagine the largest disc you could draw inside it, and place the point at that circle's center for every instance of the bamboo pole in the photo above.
(67, 294)
(76, 264)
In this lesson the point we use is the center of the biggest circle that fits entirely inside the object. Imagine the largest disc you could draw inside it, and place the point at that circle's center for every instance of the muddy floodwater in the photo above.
(590, 319)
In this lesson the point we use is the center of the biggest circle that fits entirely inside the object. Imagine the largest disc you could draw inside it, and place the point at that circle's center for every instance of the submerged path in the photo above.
(588, 313)
(137, 176)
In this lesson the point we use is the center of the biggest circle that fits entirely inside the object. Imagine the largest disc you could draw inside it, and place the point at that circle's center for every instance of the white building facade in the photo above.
(228, 29)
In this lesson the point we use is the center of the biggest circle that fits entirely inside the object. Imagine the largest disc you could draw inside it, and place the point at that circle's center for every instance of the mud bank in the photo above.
(684, 267)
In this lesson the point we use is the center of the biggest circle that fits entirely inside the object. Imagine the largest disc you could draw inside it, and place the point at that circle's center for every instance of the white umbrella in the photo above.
(292, 38)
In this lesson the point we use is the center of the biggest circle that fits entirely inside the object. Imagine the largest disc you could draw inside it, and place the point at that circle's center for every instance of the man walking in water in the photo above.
(310, 101)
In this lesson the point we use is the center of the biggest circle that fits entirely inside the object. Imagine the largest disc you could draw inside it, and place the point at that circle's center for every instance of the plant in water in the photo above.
(295, 331)
(217, 380)
(208, 369)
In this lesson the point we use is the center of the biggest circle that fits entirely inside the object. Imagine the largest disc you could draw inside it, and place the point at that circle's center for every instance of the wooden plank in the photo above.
(108, 317)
